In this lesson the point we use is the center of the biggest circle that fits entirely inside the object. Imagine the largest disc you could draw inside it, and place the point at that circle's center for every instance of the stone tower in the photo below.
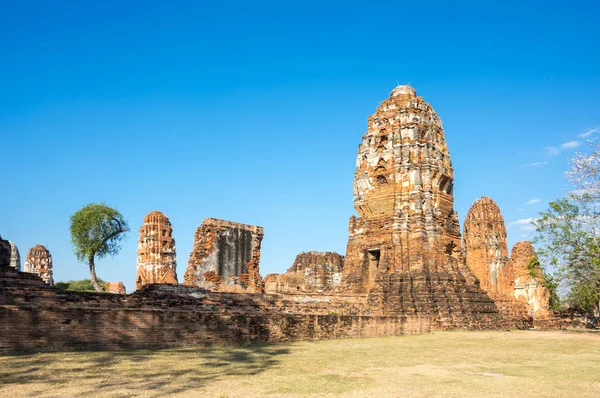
(404, 248)
(156, 262)
(39, 261)
(15, 257)
(485, 246)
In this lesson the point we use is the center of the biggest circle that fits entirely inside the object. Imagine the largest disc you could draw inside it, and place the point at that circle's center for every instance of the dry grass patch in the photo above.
(527, 364)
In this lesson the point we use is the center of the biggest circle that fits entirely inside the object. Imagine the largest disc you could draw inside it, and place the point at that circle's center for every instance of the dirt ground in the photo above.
(441, 364)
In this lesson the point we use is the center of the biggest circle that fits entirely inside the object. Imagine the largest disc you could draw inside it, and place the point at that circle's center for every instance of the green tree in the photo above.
(96, 232)
(568, 233)
(83, 285)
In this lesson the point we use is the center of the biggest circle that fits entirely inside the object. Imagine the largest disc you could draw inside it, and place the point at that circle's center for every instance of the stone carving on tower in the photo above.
(39, 261)
(157, 261)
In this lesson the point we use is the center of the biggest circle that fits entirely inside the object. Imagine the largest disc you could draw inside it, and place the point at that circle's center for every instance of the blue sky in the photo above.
(252, 112)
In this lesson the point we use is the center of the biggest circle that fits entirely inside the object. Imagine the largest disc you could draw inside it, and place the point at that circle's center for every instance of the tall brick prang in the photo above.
(404, 247)
(39, 262)
(526, 280)
(157, 259)
(485, 246)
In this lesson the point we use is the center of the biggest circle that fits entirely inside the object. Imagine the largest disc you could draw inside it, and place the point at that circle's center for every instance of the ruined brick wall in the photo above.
(36, 317)
(485, 248)
(311, 271)
(5, 249)
(15, 256)
(527, 283)
(39, 262)
(225, 255)
(157, 259)
(404, 248)
(114, 287)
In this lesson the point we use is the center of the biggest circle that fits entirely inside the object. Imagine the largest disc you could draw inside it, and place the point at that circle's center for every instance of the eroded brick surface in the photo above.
(404, 248)
(508, 282)
(527, 282)
(114, 287)
(15, 256)
(5, 250)
(37, 317)
(39, 262)
(311, 271)
(157, 260)
(225, 256)
(485, 246)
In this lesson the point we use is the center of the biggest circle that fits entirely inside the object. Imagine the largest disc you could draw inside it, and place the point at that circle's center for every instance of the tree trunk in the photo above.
(93, 275)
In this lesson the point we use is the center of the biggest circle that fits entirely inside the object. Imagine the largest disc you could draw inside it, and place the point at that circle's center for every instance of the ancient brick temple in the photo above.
(39, 262)
(524, 278)
(115, 287)
(510, 282)
(485, 246)
(225, 254)
(15, 257)
(157, 260)
(404, 247)
(311, 271)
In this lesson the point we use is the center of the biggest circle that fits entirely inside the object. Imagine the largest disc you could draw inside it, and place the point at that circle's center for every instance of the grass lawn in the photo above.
(449, 364)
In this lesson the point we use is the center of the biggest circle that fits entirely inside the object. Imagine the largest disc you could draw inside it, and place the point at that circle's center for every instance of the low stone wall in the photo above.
(37, 317)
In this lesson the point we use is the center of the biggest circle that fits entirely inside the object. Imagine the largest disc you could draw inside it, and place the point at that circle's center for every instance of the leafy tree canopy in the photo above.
(569, 234)
(97, 231)
(83, 285)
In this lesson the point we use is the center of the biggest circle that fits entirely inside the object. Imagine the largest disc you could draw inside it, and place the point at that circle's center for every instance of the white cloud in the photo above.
(521, 222)
(570, 144)
(519, 209)
(588, 133)
(527, 228)
(524, 235)
(534, 164)
(532, 201)
(552, 151)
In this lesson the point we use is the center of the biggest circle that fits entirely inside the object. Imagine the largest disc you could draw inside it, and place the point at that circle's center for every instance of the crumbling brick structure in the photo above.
(404, 248)
(39, 262)
(114, 287)
(511, 283)
(225, 256)
(5, 250)
(15, 256)
(311, 271)
(157, 260)
(485, 246)
(524, 278)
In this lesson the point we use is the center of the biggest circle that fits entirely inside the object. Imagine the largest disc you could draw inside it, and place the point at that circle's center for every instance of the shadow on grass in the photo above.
(153, 372)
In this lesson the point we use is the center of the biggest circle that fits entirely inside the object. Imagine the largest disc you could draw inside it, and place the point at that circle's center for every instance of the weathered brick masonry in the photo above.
(37, 317)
